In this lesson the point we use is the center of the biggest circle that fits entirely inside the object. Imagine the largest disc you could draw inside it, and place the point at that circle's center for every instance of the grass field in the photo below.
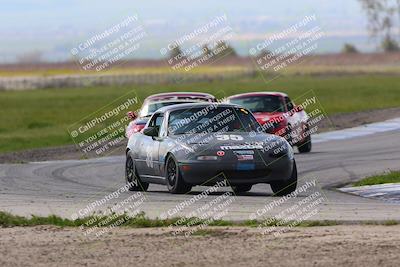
(296, 69)
(117, 70)
(40, 118)
(391, 177)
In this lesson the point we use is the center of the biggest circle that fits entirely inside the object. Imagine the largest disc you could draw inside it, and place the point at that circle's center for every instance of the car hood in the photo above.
(226, 139)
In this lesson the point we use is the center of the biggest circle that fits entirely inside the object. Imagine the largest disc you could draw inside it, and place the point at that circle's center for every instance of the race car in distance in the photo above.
(154, 102)
(204, 143)
(277, 114)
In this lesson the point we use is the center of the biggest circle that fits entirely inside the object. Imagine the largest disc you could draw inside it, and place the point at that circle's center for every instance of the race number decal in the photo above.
(226, 137)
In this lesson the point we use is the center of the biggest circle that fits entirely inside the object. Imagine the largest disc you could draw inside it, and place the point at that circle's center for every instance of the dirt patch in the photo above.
(320, 246)
(334, 122)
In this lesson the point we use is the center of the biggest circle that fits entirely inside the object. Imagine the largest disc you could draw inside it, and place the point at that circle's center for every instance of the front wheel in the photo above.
(175, 182)
(132, 177)
(306, 146)
(282, 188)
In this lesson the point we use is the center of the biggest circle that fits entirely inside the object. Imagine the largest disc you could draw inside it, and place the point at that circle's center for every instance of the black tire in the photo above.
(132, 177)
(282, 188)
(175, 182)
(241, 188)
(306, 146)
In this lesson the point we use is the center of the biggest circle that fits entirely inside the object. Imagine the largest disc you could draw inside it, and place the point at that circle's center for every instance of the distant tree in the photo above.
(390, 45)
(349, 49)
(206, 50)
(265, 53)
(382, 18)
(223, 49)
(175, 52)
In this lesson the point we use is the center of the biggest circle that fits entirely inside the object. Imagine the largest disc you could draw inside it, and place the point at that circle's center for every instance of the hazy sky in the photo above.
(54, 27)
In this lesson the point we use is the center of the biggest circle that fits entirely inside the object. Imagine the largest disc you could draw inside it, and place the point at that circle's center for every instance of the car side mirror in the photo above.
(151, 131)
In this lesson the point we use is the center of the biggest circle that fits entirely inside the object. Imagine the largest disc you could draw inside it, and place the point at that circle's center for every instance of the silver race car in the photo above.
(204, 143)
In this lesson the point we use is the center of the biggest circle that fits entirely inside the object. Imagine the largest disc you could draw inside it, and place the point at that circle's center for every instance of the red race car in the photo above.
(154, 102)
(278, 115)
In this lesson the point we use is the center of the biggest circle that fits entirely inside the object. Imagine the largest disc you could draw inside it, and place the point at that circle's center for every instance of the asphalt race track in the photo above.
(65, 187)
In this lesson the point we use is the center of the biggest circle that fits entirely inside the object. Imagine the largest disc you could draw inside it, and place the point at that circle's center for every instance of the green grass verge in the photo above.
(392, 177)
(141, 221)
(40, 118)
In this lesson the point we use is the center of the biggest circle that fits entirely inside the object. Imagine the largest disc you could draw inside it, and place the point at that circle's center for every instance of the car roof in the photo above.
(177, 95)
(258, 94)
(194, 105)
(180, 100)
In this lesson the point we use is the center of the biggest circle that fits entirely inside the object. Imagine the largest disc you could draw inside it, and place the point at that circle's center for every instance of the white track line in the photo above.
(388, 192)
(377, 127)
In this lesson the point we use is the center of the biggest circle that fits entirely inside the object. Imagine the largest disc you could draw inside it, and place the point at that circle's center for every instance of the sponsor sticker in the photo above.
(244, 157)
(244, 152)
(220, 153)
(246, 146)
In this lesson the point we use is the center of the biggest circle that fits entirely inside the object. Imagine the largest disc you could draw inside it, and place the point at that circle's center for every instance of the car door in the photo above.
(160, 148)
(148, 161)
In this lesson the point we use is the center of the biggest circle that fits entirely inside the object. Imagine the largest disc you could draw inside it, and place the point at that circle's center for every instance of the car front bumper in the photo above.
(236, 173)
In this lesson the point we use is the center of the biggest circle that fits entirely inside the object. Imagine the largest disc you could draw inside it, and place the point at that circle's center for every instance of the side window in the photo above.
(289, 104)
(152, 121)
(157, 120)
(163, 129)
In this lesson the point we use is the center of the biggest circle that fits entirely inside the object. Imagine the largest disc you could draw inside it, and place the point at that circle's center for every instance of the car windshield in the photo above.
(211, 119)
(150, 108)
(268, 103)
